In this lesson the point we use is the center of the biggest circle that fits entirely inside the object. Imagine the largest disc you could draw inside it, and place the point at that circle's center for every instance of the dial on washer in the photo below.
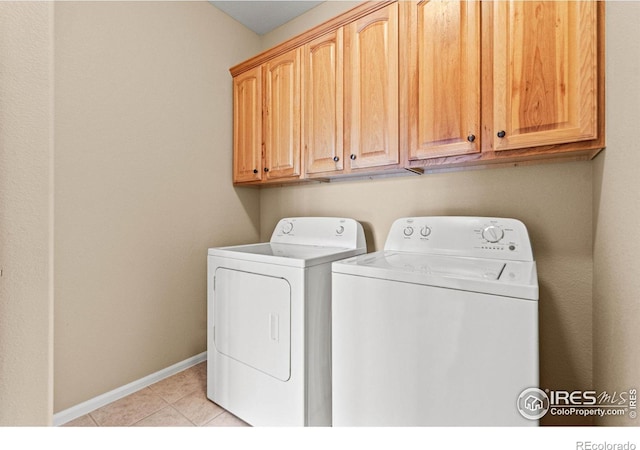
(492, 233)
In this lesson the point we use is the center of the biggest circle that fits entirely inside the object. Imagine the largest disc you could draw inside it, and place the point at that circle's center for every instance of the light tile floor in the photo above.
(177, 401)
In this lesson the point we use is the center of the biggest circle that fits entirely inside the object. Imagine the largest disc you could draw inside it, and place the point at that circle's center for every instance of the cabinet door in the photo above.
(322, 104)
(444, 84)
(247, 126)
(282, 116)
(371, 89)
(544, 73)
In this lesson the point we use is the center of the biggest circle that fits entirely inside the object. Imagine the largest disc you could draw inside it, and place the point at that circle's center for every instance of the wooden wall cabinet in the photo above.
(322, 110)
(282, 116)
(418, 84)
(371, 90)
(545, 73)
(247, 126)
(526, 86)
(350, 97)
(266, 121)
(442, 105)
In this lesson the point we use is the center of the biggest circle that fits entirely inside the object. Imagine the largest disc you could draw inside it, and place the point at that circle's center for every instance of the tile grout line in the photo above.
(180, 412)
(222, 411)
(154, 412)
(95, 422)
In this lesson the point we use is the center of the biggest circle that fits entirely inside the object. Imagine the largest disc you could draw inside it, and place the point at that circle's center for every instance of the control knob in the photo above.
(408, 231)
(287, 227)
(492, 233)
(425, 231)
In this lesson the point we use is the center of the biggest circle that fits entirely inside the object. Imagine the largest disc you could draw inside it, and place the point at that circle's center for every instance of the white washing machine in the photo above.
(440, 328)
(269, 322)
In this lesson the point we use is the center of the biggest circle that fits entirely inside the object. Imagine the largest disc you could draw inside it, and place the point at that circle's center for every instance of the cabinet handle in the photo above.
(255, 170)
(501, 134)
(266, 169)
(336, 159)
(353, 157)
(471, 137)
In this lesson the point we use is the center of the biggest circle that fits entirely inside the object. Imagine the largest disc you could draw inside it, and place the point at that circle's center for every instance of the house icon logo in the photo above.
(533, 403)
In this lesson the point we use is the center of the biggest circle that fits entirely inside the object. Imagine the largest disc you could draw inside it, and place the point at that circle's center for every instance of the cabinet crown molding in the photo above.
(309, 35)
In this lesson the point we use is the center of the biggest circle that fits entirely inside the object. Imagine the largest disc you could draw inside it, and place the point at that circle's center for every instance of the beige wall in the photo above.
(616, 296)
(26, 220)
(553, 200)
(143, 185)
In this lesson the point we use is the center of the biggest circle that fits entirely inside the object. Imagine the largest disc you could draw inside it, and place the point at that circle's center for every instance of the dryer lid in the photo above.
(303, 242)
(285, 254)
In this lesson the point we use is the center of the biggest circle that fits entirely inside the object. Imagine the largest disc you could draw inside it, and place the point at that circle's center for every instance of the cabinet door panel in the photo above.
(371, 89)
(545, 72)
(247, 126)
(322, 104)
(282, 115)
(444, 97)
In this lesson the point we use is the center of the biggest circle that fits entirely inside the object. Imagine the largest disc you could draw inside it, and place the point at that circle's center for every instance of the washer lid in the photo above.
(507, 278)
(473, 268)
(285, 254)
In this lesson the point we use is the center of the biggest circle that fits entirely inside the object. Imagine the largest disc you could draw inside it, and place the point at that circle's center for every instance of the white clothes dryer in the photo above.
(440, 328)
(269, 322)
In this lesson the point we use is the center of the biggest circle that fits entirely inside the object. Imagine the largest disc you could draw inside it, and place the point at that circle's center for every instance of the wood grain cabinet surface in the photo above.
(322, 99)
(282, 116)
(371, 90)
(545, 73)
(247, 126)
(442, 106)
(423, 85)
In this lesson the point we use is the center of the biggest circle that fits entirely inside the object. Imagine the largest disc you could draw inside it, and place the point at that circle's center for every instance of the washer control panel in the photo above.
(484, 237)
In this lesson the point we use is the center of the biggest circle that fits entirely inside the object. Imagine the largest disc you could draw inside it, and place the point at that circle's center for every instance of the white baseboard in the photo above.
(83, 408)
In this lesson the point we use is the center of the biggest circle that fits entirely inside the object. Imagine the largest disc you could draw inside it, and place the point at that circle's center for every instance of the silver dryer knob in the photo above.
(287, 227)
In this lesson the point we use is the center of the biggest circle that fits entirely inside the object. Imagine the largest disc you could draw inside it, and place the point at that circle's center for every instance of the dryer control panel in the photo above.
(319, 231)
(479, 237)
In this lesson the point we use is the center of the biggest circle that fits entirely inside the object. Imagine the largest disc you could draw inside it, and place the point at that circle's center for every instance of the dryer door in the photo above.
(252, 320)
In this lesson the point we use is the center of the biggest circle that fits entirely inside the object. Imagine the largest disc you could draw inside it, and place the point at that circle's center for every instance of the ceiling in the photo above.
(264, 16)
